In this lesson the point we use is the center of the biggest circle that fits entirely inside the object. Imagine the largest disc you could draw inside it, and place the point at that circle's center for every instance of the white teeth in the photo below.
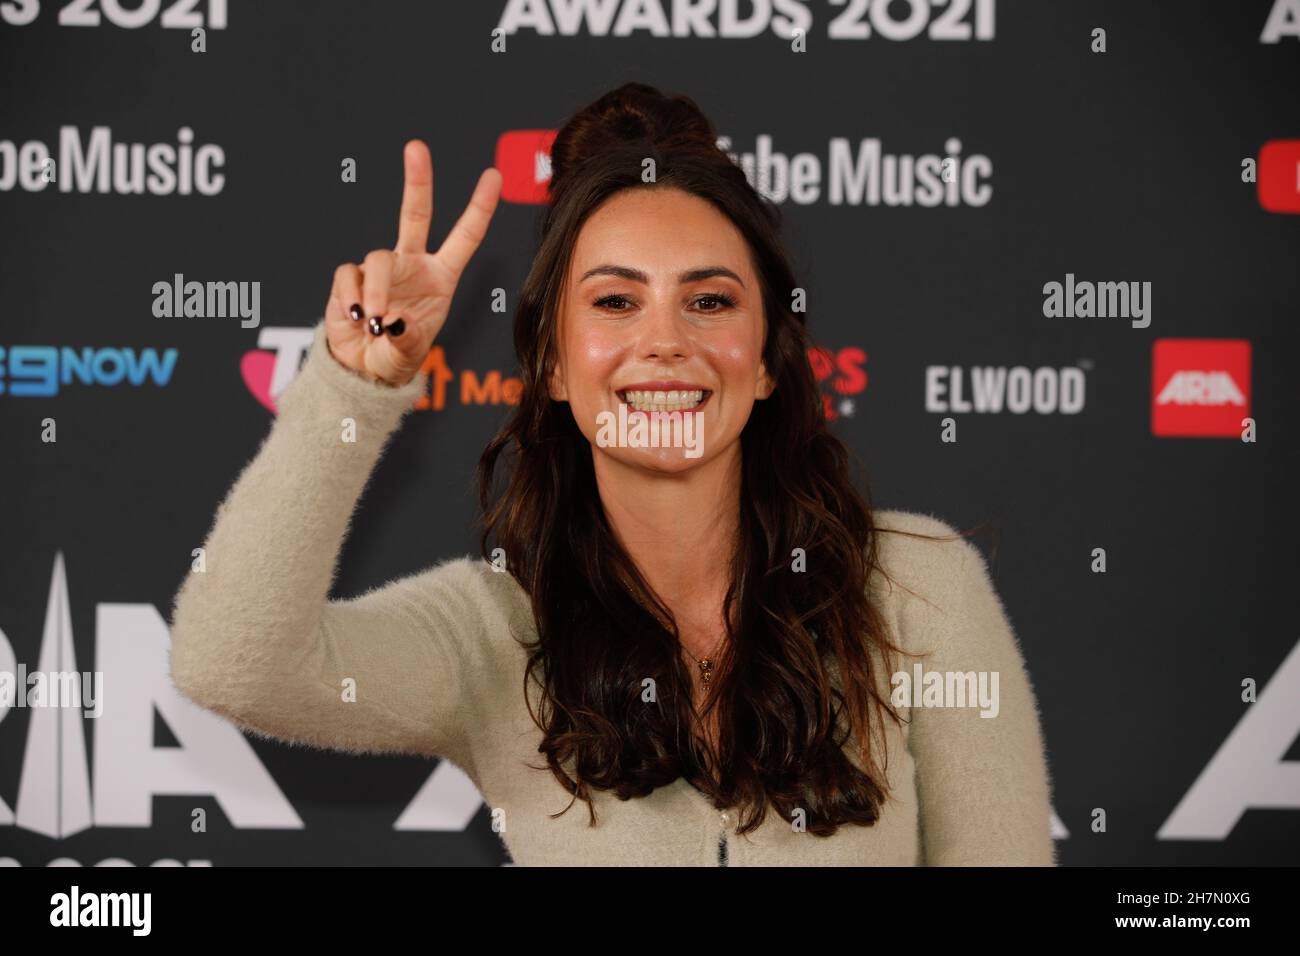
(672, 401)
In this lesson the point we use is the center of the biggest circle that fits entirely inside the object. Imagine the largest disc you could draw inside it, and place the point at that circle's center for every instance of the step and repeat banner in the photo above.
(985, 200)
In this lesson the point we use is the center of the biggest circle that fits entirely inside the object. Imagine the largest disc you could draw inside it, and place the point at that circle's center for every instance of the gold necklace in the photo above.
(705, 664)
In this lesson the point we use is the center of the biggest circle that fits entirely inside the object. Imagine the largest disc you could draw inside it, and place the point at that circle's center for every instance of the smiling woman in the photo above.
(698, 646)
(640, 560)
(682, 329)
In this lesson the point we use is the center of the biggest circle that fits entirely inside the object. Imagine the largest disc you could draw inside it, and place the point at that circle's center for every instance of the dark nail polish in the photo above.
(376, 325)
(397, 328)
(356, 313)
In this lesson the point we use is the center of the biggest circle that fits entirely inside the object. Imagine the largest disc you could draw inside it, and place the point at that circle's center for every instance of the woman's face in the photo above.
(662, 311)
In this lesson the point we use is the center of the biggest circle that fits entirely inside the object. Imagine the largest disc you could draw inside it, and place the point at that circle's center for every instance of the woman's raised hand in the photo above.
(383, 314)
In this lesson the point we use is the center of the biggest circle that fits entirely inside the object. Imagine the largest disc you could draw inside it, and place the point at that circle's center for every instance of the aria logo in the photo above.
(1200, 388)
(212, 758)
(58, 796)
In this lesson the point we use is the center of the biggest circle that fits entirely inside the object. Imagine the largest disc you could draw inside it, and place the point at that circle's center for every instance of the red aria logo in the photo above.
(1200, 387)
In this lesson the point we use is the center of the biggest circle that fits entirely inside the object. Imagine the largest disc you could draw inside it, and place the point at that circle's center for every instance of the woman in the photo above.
(706, 648)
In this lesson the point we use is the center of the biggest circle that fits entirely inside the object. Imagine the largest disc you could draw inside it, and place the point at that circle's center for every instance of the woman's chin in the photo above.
(664, 461)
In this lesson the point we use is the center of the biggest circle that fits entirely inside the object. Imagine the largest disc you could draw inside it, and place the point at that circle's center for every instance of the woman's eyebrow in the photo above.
(636, 275)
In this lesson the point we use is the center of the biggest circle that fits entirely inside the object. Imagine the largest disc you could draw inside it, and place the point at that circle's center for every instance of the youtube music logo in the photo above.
(1200, 388)
(524, 158)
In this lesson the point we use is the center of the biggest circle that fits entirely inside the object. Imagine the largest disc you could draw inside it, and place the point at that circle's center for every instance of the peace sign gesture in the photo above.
(383, 314)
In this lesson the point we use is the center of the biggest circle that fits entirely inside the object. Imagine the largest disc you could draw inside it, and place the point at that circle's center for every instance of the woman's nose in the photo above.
(664, 332)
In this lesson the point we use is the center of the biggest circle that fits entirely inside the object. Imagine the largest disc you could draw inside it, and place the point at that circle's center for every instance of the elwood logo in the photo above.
(57, 797)
(1200, 388)
(994, 389)
(861, 174)
(268, 370)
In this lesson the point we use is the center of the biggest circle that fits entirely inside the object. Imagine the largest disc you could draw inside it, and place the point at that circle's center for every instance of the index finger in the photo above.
(417, 199)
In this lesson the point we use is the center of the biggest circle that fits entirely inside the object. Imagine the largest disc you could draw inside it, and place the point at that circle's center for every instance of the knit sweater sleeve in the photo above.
(982, 781)
(254, 636)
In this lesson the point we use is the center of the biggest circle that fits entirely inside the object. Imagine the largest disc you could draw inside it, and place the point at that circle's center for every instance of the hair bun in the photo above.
(636, 119)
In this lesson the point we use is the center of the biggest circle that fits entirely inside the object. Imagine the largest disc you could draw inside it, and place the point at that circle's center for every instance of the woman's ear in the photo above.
(765, 386)
(555, 382)
(555, 373)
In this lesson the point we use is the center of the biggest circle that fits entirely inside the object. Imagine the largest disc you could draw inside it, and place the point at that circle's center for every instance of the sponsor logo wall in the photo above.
(984, 200)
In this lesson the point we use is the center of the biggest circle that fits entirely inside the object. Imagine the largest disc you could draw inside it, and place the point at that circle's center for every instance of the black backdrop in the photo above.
(1127, 165)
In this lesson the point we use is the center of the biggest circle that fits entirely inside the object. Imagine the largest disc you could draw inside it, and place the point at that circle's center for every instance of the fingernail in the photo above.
(397, 328)
(356, 313)
(376, 325)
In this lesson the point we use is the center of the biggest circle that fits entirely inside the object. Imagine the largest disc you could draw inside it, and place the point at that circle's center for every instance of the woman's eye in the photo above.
(710, 302)
(720, 300)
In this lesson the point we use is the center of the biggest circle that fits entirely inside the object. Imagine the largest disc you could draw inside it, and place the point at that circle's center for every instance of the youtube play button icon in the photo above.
(1278, 178)
(524, 158)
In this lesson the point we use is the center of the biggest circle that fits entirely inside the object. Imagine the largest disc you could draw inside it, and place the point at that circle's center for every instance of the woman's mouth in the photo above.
(671, 400)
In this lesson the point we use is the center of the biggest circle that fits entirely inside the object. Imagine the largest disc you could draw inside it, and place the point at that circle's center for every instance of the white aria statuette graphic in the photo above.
(54, 793)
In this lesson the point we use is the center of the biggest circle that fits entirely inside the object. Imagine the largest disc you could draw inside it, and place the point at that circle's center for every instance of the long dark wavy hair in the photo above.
(803, 649)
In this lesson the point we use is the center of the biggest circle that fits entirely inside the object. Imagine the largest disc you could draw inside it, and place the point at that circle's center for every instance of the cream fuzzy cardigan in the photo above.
(436, 670)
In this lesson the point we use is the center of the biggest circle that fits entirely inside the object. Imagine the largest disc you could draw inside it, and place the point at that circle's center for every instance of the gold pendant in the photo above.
(706, 671)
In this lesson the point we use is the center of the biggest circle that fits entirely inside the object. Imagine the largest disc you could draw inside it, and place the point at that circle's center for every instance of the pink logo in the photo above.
(256, 367)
